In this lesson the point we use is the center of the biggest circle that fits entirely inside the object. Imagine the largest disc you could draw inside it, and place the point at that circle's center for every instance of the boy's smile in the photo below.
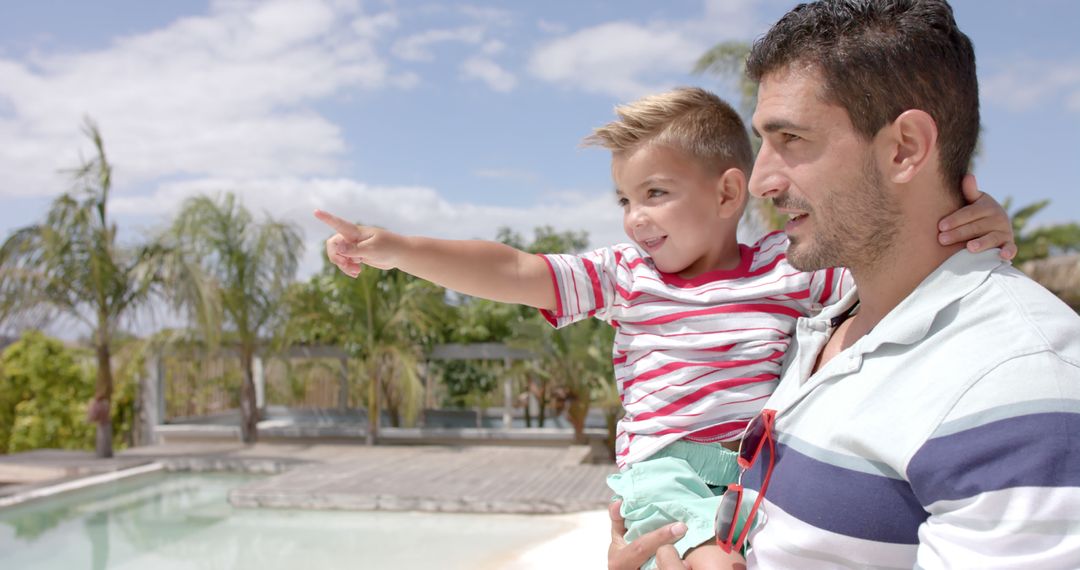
(651, 244)
(675, 210)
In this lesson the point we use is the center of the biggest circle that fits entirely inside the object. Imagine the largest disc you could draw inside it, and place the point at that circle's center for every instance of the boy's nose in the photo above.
(638, 218)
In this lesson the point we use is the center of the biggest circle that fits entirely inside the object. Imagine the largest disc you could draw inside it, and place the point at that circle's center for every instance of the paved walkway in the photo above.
(355, 477)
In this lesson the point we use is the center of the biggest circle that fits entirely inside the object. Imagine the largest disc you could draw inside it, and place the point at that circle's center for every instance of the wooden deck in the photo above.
(445, 479)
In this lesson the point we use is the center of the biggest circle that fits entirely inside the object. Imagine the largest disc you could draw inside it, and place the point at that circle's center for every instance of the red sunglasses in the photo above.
(758, 432)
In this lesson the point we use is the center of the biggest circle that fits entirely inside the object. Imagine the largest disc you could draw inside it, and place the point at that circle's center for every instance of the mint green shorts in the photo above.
(682, 482)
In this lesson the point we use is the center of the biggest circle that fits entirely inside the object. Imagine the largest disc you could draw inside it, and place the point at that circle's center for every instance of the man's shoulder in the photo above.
(979, 309)
(1018, 311)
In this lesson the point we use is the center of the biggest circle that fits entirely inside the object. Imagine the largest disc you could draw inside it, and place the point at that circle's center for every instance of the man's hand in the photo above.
(623, 556)
(983, 223)
(354, 246)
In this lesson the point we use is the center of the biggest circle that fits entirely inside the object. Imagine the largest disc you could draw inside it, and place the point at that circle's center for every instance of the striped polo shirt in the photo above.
(947, 437)
(694, 359)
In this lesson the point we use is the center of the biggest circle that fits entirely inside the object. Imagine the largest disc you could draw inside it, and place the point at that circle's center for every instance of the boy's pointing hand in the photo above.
(354, 246)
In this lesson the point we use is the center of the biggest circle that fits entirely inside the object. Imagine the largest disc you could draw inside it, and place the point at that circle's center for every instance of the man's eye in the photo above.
(790, 137)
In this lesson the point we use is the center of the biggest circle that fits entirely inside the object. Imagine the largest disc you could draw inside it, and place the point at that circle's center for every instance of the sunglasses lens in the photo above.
(751, 442)
(725, 515)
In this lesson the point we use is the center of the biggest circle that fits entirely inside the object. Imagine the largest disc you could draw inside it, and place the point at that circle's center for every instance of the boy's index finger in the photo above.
(347, 229)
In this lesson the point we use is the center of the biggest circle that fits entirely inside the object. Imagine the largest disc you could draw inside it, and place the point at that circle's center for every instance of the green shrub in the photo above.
(44, 390)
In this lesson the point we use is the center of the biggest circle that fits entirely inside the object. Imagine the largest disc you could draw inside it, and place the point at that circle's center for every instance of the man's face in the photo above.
(822, 174)
(670, 209)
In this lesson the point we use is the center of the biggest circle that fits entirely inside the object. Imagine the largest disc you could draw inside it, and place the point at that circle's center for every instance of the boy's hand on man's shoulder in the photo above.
(980, 225)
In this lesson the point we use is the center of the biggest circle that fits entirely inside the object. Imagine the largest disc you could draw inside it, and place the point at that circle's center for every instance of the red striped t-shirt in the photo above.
(694, 359)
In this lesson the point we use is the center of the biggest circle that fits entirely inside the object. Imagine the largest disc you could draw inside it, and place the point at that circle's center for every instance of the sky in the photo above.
(433, 118)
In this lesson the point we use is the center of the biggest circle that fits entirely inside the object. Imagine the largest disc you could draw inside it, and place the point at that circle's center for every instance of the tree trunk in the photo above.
(100, 411)
(249, 414)
(528, 402)
(373, 408)
(391, 401)
(577, 408)
(393, 410)
(611, 418)
(103, 439)
(542, 402)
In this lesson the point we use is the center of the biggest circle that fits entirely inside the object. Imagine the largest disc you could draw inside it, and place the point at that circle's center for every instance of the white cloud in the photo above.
(614, 59)
(489, 72)
(406, 209)
(224, 94)
(375, 26)
(493, 47)
(628, 59)
(492, 16)
(417, 47)
(1023, 85)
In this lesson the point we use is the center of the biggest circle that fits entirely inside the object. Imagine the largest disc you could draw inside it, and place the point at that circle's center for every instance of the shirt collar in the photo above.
(910, 321)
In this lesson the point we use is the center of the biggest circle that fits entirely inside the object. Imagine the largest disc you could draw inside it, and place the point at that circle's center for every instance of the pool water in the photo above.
(184, 520)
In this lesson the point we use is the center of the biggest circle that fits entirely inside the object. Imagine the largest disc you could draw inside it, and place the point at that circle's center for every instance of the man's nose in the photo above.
(765, 179)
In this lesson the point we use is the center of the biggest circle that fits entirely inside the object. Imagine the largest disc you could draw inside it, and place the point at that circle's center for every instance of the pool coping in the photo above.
(71, 485)
(196, 464)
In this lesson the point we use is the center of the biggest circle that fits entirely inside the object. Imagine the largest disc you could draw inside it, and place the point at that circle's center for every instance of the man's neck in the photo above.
(884, 283)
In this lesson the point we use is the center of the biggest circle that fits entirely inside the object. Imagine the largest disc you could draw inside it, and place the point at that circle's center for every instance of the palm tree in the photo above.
(1043, 241)
(727, 60)
(575, 360)
(383, 319)
(1040, 252)
(71, 266)
(229, 272)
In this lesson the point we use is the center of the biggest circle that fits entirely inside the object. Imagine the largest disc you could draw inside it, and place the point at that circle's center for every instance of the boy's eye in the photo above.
(656, 192)
(622, 202)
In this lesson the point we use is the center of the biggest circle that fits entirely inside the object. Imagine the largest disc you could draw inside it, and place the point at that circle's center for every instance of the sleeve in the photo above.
(1000, 477)
(585, 285)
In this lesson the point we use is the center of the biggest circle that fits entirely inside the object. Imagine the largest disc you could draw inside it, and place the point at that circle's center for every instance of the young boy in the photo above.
(702, 322)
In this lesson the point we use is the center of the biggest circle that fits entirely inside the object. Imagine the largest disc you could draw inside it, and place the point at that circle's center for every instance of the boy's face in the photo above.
(671, 209)
(820, 172)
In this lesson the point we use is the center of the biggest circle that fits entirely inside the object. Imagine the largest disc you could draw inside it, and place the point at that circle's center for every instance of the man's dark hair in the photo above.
(880, 58)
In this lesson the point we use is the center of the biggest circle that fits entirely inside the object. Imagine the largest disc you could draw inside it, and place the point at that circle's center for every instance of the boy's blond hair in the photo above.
(689, 119)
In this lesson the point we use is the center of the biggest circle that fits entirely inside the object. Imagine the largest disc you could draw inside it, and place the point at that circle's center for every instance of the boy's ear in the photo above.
(731, 192)
(910, 144)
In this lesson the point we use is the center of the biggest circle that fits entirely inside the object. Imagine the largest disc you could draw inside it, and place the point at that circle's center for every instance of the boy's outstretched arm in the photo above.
(485, 269)
(982, 223)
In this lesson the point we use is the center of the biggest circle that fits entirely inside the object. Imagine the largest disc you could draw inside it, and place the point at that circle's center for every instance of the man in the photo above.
(932, 417)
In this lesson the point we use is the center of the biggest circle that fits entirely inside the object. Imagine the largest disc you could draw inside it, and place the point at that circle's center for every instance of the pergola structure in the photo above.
(481, 351)
(153, 405)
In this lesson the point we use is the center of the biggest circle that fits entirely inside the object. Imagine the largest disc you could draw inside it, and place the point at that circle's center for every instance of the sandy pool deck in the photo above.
(585, 546)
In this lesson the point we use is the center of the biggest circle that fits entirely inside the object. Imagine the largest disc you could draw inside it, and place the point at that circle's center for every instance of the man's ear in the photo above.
(910, 145)
(731, 192)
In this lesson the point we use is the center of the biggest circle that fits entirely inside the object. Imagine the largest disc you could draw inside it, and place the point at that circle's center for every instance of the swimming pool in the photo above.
(183, 520)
